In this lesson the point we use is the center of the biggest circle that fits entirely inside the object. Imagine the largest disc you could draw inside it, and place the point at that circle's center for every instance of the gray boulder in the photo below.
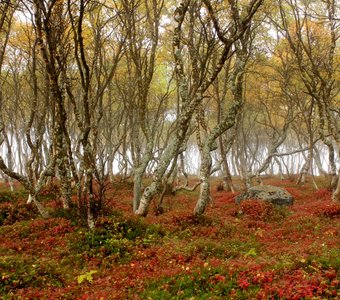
(272, 194)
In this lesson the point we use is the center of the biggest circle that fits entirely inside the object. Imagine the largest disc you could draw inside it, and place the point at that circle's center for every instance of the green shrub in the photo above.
(228, 248)
(202, 284)
(13, 197)
(70, 214)
(15, 212)
(116, 237)
(329, 259)
(18, 274)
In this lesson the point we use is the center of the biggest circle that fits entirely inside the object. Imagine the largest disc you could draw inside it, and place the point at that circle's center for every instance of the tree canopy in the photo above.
(152, 88)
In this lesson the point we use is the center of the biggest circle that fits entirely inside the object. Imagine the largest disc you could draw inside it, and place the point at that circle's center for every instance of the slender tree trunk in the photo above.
(138, 176)
(280, 168)
(156, 185)
(204, 196)
(332, 165)
(191, 99)
(43, 212)
(185, 174)
(318, 162)
(227, 180)
(306, 167)
(228, 121)
(9, 160)
(336, 193)
(89, 200)
(286, 167)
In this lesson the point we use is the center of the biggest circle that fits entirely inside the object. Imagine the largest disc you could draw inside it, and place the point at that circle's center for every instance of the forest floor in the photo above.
(251, 251)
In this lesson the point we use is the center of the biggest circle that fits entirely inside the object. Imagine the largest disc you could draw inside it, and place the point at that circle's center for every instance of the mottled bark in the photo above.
(172, 149)
(88, 184)
(331, 160)
(227, 180)
(27, 185)
(336, 193)
(183, 171)
(229, 120)
(305, 169)
(9, 157)
(204, 196)
(317, 159)
(167, 183)
(278, 162)
(317, 74)
(220, 94)
(278, 137)
(39, 206)
(156, 185)
(85, 125)
(22, 179)
(141, 61)
(138, 176)
(190, 102)
(48, 37)
(7, 9)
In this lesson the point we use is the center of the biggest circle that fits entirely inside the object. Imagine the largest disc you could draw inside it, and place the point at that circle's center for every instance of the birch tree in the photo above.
(35, 176)
(191, 96)
(94, 81)
(6, 16)
(229, 120)
(141, 21)
(313, 40)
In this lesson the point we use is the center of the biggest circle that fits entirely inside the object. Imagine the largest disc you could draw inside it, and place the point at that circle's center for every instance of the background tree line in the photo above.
(135, 88)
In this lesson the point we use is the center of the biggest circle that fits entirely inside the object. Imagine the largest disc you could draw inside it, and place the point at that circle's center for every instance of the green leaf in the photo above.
(251, 252)
(86, 277)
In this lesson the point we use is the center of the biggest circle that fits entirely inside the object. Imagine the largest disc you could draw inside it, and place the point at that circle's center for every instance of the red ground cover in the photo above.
(247, 251)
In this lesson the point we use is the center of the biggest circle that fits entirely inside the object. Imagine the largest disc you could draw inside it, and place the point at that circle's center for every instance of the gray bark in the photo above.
(336, 193)
(237, 81)
(318, 162)
(331, 160)
(138, 176)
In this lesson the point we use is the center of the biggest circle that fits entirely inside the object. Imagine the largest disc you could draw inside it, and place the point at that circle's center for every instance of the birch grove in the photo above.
(152, 91)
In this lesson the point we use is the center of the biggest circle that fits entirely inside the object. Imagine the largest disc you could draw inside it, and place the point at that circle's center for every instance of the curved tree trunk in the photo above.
(331, 159)
(204, 196)
(191, 99)
(138, 176)
(336, 193)
(33, 199)
(228, 121)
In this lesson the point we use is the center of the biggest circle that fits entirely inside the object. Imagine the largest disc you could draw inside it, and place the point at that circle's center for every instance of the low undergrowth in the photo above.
(249, 251)
(115, 238)
(26, 273)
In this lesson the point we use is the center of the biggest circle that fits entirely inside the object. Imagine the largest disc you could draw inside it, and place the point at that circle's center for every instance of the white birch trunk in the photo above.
(138, 176)
(30, 199)
(204, 196)
(156, 184)
(336, 193)
(33, 199)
